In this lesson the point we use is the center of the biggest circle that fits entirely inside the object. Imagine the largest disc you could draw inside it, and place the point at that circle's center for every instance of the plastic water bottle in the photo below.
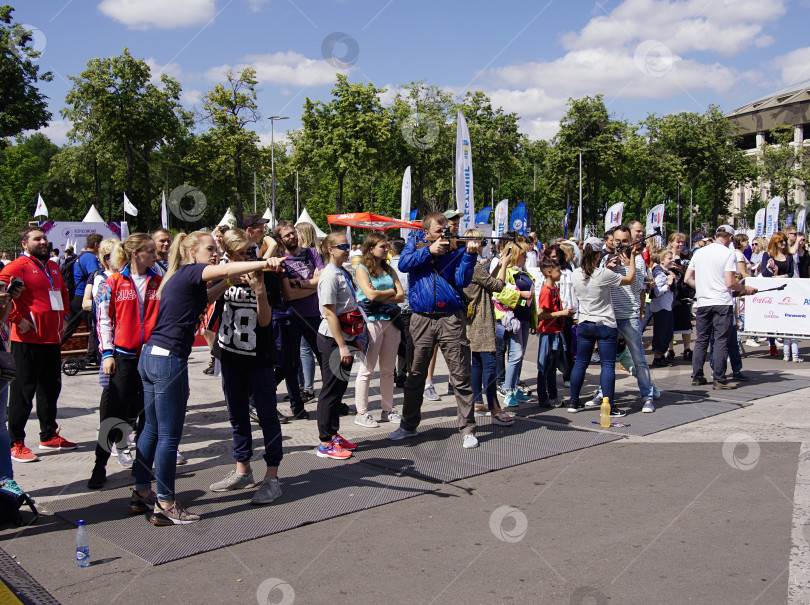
(82, 546)
(604, 416)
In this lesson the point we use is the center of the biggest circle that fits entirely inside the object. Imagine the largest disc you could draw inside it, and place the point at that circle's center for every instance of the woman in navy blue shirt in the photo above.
(164, 367)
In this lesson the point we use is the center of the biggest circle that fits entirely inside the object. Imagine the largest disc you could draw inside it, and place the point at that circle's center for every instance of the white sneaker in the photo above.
(125, 458)
(470, 441)
(431, 394)
(131, 440)
(366, 420)
(595, 357)
(595, 402)
(391, 416)
(751, 343)
(181, 459)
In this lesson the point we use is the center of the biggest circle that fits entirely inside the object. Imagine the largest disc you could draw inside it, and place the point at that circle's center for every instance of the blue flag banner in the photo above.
(413, 214)
(518, 219)
(483, 215)
(565, 221)
(788, 220)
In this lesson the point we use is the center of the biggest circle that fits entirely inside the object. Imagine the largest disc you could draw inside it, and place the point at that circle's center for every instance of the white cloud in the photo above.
(56, 131)
(170, 69)
(794, 66)
(280, 136)
(256, 5)
(283, 68)
(689, 25)
(163, 14)
(191, 97)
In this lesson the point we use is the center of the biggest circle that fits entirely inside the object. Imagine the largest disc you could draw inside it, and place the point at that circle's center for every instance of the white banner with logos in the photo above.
(63, 233)
(778, 311)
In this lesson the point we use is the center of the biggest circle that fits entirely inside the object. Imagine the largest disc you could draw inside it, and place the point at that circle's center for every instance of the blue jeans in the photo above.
(517, 342)
(631, 330)
(588, 335)
(306, 371)
(663, 330)
(6, 471)
(165, 397)
(548, 354)
(483, 373)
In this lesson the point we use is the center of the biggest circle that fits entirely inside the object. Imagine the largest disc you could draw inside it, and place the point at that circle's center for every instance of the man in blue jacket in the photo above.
(436, 278)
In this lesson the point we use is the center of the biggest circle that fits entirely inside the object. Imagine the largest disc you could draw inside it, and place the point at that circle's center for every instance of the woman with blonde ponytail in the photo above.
(164, 364)
(126, 309)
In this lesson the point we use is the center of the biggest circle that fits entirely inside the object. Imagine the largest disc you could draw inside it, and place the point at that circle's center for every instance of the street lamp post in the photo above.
(579, 211)
(273, 164)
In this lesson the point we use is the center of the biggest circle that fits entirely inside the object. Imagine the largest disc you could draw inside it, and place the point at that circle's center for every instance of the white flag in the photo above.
(613, 218)
(406, 201)
(759, 223)
(655, 219)
(772, 216)
(164, 215)
(349, 237)
(128, 207)
(801, 219)
(501, 217)
(465, 200)
(41, 209)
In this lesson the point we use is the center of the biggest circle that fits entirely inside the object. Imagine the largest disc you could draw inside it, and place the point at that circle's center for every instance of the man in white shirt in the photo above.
(713, 274)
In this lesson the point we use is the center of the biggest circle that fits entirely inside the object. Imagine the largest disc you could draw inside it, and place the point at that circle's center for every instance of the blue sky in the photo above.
(644, 55)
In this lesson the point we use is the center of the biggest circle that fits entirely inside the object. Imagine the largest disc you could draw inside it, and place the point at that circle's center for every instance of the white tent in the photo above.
(92, 216)
(269, 216)
(306, 218)
(229, 219)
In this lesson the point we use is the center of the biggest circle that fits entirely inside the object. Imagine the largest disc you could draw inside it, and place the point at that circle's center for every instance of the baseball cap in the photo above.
(253, 220)
(724, 230)
(698, 238)
(451, 214)
(596, 243)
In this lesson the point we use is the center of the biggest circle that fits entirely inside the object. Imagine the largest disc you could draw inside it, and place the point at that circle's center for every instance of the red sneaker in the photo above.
(20, 453)
(57, 443)
(333, 450)
(774, 352)
(340, 441)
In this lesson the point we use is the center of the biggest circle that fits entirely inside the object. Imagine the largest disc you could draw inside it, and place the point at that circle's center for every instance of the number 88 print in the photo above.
(243, 335)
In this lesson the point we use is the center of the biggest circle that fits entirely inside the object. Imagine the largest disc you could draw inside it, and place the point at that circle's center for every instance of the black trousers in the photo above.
(335, 377)
(405, 352)
(121, 401)
(78, 315)
(712, 323)
(39, 368)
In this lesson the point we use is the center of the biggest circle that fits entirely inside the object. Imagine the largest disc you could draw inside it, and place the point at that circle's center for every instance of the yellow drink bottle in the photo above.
(604, 416)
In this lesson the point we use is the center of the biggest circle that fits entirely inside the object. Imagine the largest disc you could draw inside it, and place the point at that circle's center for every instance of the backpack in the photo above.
(67, 274)
(10, 504)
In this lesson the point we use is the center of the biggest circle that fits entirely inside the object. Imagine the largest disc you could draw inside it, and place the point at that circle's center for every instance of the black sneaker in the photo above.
(301, 414)
(670, 356)
(616, 412)
(343, 409)
(573, 408)
(659, 363)
(253, 415)
(740, 377)
(307, 396)
(97, 478)
(699, 380)
(139, 505)
(282, 418)
(687, 355)
(209, 371)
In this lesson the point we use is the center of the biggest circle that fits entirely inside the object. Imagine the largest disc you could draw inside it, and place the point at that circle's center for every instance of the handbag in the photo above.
(352, 323)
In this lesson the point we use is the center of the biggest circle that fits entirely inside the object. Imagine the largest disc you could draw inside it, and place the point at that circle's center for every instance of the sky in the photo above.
(644, 56)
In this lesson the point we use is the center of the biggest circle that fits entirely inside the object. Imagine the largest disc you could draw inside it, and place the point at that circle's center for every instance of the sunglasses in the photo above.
(343, 247)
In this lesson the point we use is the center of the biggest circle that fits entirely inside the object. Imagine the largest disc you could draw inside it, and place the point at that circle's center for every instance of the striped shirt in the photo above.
(627, 299)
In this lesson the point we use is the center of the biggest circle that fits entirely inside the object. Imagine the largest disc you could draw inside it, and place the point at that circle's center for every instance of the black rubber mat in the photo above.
(27, 590)
(437, 453)
(672, 409)
(313, 488)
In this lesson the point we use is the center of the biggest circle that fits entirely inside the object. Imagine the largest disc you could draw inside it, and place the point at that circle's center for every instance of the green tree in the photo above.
(114, 105)
(23, 106)
(230, 107)
(779, 167)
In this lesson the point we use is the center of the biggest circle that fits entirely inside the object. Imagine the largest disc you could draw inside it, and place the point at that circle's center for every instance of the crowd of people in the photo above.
(276, 306)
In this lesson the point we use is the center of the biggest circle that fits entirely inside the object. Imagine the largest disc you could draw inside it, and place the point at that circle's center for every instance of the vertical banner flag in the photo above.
(565, 221)
(164, 215)
(772, 216)
(577, 229)
(759, 223)
(464, 175)
(128, 207)
(789, 219)
(655, 219)
(406, 200)
(349, 238)
(800, 220)
(613, 218)
(501, 213)
(41, 209)
(518, 218)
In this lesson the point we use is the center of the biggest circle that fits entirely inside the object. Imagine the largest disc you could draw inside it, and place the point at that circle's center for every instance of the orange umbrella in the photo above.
(367, 220)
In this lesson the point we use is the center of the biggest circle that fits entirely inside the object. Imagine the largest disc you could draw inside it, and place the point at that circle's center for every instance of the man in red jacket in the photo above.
(37, 325)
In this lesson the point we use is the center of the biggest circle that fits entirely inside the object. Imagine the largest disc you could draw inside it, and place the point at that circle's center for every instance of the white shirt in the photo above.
(710, 264)
(594, 295)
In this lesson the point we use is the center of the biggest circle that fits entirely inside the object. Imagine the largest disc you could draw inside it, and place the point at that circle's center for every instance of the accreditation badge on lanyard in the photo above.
(57, 304)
